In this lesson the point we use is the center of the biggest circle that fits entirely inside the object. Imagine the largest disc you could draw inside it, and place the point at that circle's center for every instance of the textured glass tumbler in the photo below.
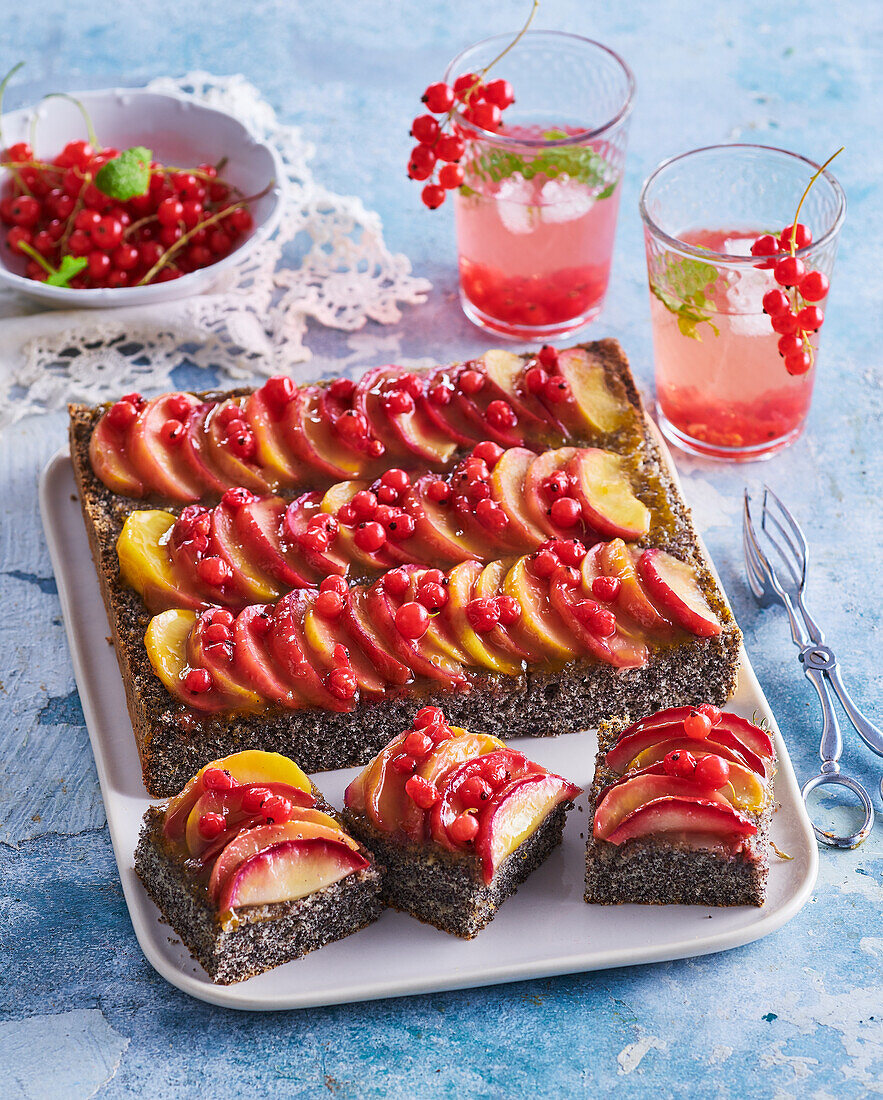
(536, 216)
(723, 387)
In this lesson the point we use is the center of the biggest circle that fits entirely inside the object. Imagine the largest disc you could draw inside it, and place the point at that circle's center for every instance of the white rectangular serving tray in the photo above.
(545, 929)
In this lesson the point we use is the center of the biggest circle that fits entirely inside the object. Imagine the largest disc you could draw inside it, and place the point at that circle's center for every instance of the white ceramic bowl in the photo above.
(179, 132)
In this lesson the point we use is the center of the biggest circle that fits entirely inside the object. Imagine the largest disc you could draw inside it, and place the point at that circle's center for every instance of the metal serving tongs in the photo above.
(820, 665)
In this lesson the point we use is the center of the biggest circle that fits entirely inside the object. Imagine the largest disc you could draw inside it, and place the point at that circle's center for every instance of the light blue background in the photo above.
(798, 1014)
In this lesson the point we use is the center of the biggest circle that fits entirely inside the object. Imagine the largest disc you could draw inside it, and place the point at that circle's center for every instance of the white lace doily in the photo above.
(254, 322)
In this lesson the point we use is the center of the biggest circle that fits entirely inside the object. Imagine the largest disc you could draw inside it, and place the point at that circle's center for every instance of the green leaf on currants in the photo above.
(681, 286)
(67, 268)
(581, 164)
(126, 176)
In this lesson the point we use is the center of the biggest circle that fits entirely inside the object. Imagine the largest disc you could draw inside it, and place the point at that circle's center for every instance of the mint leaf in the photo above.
(69, 266)
(581, 164)
(681, 285)
(127, 175)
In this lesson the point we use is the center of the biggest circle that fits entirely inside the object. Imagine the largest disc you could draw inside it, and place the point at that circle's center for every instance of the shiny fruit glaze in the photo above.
(499, 617)
(461, 791)
(281, 436)
(697, 776)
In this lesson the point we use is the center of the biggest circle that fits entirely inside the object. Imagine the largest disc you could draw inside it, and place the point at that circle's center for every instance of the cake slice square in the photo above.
(457, 819)
(252, 869)
(681, 805)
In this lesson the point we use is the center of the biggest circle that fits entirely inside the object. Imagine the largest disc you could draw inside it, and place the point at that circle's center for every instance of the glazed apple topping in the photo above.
(251, 548)
(465, 792)
(697, 776)
(248, 829)
(284, 436)
(334, 645)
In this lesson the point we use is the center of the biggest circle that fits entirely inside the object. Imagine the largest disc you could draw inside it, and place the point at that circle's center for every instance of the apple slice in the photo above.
(472, 409)
(157, 463)
(295, 521)
(616, 561)
(248, 578)
(421, 655)
(605, 494)
(251, 766)
(540, 625)
(630, 794)
(324, 635)
(265, 420)
(309, 433)
(482, 651)
(695, 821)
(440, 763)
(383, 788)
(414, 431)
(490, 585)
(361, 629)
(629, 745)
(217, 659)
(674, 584)
(594, 406)
(616, 649)
(195, 452)
(516, 814)
(345, 546)
(290, 650)
(288, 871)
(145, 564)
(535, 505)
(745, 789)
(508, 479)
(259, 529)
(166, 643)
(229, 805)
(249, 843)
(438, 528)
(511, 764)
(448, 419)
(751, 735)
(504, 371)
(216, 450)
(253, 662)
(673, 743)
(110, 462)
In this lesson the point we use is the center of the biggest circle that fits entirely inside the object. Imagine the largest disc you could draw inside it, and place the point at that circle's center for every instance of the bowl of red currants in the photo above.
(128, 197)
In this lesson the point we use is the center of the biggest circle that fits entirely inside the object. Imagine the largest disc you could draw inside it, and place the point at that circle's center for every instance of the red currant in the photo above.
(432, 596)
(412, 620)
(214, 571)
(510, 610)
(423, 793)
(463, 829)
(198, 680)
(789, 271)
(798, 363)
(487, 116)
(606, 588)
(766, 245)
(342, 683)
(712, 713)
(469, 84)
(329, 604)
(500, 93)
(421, 162)
(697, 725)
(425, 129)
(370, 537)
(124, 257)
(596, 619)
(471, 382)
(218, 779)
(99, 265)
(776, 302)
(784, 323)
(451, 176)
(802, 237)
(439, 98)
(679, 762)
(790, 344)
(483, 614)
(211, 825)
(566, 512)
(543, 563)
(428, 716)
(712, 771)
(450, 148)
(814, 286)
(432, 196)
(810, 318)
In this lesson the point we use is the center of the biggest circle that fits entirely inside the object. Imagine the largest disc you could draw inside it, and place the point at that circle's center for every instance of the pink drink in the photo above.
(730, 389)
(535, 248)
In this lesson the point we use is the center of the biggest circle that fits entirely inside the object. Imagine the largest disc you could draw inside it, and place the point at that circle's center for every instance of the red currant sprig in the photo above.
(790, 307)
(436, 158)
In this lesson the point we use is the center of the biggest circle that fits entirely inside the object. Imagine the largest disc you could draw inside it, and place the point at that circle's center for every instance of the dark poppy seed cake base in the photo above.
(447, 889)
(657, 872)
(261, 937)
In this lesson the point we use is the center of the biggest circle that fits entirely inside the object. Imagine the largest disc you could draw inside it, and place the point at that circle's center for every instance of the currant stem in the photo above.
(3, 84)
(90, 129)
(518, 37)
(805, 193)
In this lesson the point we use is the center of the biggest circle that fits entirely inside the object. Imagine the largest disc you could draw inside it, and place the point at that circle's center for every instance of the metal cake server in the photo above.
(783, 534)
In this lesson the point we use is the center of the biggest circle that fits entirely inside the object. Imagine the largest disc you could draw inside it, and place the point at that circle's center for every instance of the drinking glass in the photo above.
(723, 389)
(536, 215)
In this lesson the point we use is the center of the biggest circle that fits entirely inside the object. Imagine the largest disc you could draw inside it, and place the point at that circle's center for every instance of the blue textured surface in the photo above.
(798, 1014)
